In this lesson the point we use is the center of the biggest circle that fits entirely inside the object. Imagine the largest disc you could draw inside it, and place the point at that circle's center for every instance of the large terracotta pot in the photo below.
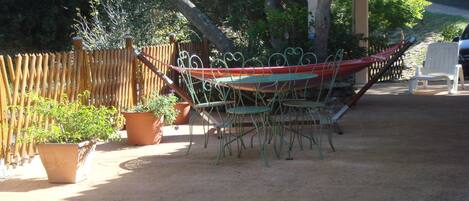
(143, 128)
(183, 116)
(67, 163)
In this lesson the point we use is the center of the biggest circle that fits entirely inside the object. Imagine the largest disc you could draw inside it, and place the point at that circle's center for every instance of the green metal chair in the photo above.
(290, 56)
(208, 98)
(251, 106)
(317, 111)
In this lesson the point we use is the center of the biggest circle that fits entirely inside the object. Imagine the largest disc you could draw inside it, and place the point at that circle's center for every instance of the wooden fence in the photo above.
(396, 70)
(114, 77)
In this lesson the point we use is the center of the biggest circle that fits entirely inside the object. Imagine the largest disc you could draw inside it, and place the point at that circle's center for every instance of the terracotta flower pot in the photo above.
(66, 163)
(143, 128)
(183, 116)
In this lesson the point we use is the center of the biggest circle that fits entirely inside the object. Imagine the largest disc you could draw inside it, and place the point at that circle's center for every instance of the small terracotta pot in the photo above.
(183, 116)
(143, 128)
(67, 163)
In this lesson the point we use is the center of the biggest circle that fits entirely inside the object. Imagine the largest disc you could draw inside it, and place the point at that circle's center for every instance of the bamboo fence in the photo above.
(114, 77)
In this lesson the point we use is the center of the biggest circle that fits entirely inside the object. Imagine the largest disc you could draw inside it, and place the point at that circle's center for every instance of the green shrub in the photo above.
(72, 122)
(451, 31)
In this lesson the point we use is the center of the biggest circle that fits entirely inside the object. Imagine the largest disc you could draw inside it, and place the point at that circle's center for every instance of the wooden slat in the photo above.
(4, 102)
(101, 77)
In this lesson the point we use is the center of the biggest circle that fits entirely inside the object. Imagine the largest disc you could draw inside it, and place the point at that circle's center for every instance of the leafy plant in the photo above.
(160, 106)
(72, 122)
(451, 31)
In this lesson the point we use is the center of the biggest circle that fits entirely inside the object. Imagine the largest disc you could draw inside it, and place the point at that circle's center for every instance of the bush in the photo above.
(451, 31)
(72, 122)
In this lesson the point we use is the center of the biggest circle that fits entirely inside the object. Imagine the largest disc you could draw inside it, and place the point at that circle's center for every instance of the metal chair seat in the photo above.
(304, 104)
(213, 104)
(248, 110)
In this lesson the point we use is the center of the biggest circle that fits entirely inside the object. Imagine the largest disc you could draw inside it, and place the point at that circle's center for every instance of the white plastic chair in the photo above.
(441, 63)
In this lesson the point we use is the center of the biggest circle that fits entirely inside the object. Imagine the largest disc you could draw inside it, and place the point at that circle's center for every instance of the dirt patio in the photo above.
(395, 147)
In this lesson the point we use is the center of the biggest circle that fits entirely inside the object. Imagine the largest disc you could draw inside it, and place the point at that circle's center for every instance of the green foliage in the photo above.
(148, 22)
(290, 23)
(341, 35)
(38, 25)
(388, 15)
(385, 15)
(451, 31)
(249, 24)
(160, 106)
(72, 122)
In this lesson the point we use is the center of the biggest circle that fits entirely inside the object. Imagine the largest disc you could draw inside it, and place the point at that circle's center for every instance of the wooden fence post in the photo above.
(173, 41)
(133, 77)
(83, 74)
(4, 101)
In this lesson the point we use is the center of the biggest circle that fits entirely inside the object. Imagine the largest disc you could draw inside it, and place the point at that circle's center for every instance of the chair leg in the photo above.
(321, 155)
(276, 135)
(412, 86)
(221, 151)
(461, 77)
(329, 137)
(290, 146)
(455, 85)
(337, 128)
(452, 86)
(191, 130)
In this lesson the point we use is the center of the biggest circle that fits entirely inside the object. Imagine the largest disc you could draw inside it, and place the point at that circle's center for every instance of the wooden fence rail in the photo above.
(114, 77)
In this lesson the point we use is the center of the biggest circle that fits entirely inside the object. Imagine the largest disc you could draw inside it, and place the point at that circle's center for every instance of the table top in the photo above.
(282, 77)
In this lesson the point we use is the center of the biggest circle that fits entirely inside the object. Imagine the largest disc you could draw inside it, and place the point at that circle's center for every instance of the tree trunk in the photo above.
(204, 25)
(273, 5)
(321, 16)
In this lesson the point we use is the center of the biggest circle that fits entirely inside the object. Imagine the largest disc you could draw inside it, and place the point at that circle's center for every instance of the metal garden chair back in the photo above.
(316, 110)
(206, 96)
(292, 57)
(328, 75)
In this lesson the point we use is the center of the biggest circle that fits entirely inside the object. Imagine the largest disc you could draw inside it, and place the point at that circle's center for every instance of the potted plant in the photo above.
(67, 136)
(183, 109)
(144, 122)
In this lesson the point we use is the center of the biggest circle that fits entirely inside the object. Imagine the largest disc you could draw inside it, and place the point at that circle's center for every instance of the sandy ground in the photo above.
(395, 147)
